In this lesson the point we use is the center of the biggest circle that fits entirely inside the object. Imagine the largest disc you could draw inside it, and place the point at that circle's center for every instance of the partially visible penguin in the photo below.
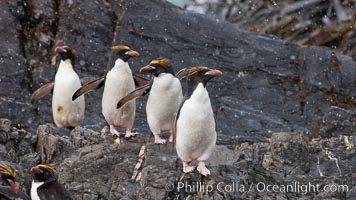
(118, 82)
(8, 188)
(195, 134)
(66, 113)
(45, 185)
(164, 98)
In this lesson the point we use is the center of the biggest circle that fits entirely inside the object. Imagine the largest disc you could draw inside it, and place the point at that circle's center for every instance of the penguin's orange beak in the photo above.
(214, 73)
(147, 68)
(133, 53)
(35, 169)
(60, 50)
(13, 186)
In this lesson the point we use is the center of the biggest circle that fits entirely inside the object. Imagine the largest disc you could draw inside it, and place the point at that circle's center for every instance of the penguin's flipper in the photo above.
(140, 81)
(85, 81)
(90, 86)
(141, 91)
(42, 91)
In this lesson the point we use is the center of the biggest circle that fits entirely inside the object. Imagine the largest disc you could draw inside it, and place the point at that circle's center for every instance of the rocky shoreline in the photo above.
(93, 166)
(285, 113)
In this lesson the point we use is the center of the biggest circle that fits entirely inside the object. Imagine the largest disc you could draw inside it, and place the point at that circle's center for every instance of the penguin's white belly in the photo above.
(163, 102)
(65, 111)
(117, 86)
(196, 135)
(34, 187)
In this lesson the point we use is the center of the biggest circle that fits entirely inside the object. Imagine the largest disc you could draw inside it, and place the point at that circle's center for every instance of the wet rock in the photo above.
(285, 144)
(163, 155)
(268, 85)
(3, 137)
(5, 125)
(104, 169)
(223, 156)
(14, 143)
(83, 137)
(11, 76)
(336, 156)
(338, 121)
(49, 143)
(99, 168)
(156, 182)
(291, 154)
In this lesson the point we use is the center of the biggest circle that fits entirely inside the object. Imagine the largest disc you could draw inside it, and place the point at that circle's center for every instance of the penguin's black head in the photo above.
(66, 52)
(158, 66)
(199, 74)
(196, 75)
(44, 173)
(123, 52)
(8, 176)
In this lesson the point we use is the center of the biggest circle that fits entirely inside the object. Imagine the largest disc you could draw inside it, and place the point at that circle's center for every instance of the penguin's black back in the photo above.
(53, 191)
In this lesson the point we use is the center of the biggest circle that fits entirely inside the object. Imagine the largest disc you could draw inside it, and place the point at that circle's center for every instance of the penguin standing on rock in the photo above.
(66, 113)
(118, 82)
(164, 98)
(195, 132)
(8, 187)
(45, 185)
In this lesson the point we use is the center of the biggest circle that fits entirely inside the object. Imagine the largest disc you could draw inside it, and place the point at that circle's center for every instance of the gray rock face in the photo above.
(98, 168)
(283, 145)
(267, 86)
(48, 143)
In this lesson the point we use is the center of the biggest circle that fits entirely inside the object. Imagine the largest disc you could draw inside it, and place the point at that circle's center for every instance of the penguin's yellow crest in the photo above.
(4, 169)
(188, 71)
(120, 47)
(164, 62)
(193, 70)
(72, 51)
(49, 168)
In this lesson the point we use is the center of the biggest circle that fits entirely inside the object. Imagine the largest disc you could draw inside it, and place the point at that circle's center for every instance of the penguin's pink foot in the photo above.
(129, 134)
(114, 131)
(187, 168)
(202, 169)
(159, 140)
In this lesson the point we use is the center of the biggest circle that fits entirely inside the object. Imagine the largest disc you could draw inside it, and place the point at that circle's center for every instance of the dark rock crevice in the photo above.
(22, 34)
(22, 12)
(114, 17)
(39, 25)
(55, 25)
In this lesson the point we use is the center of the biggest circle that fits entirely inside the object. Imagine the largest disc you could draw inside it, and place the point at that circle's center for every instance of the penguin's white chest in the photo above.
(119, 82)
(34, 187)
(65, 111)
(196, 135)
(163, 102)
(196, 114)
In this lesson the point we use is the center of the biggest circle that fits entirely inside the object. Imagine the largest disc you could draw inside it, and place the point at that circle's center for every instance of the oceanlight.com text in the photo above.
(295, 187)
